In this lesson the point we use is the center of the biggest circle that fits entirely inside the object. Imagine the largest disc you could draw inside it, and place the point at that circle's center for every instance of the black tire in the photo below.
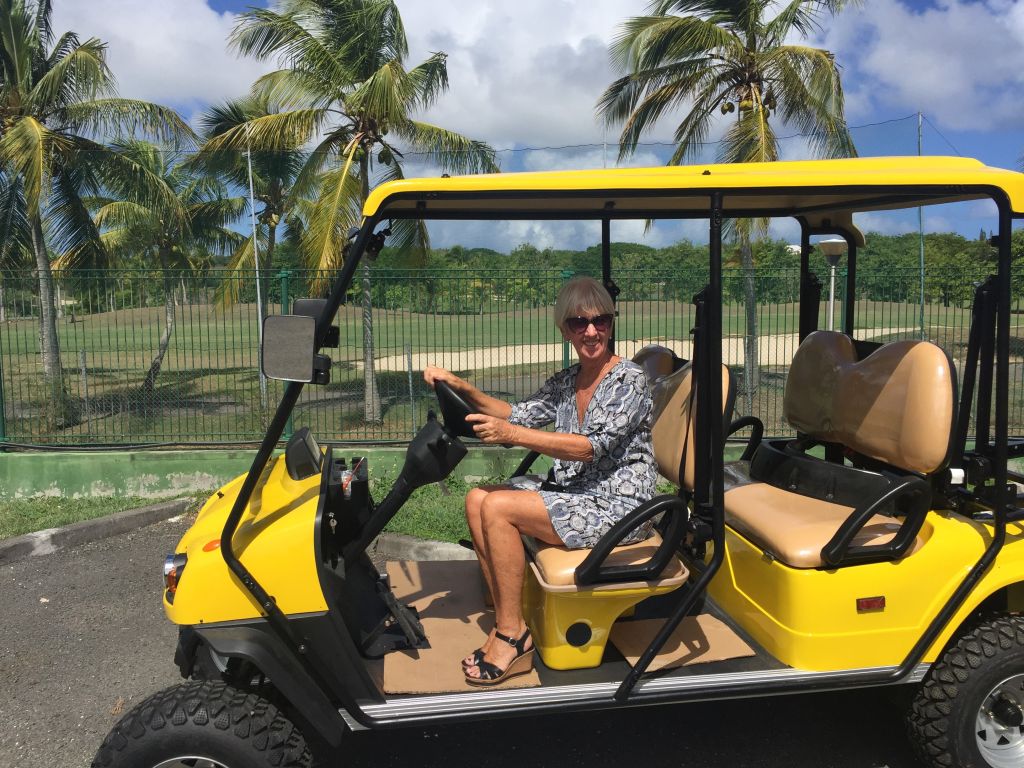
(950, 723)
(208, 720)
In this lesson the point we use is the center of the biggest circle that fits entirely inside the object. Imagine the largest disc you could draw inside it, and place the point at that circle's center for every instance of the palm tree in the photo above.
(724, 57)
(344, 84)
(192, 215)
(54, 96)
(273, 175)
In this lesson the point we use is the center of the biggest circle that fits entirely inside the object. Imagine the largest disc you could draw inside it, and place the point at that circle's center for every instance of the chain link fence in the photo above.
(172, 358)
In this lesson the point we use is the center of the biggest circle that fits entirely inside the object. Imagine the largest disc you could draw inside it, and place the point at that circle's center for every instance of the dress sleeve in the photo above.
(540, 408)
(625, 409)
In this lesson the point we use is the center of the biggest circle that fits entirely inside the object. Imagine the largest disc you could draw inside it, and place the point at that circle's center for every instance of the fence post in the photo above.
(3, 415)
(566, 276)
(284, 275)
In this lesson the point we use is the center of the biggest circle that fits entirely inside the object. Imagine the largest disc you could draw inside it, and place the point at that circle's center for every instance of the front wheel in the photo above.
(969, 712)
(204, 723)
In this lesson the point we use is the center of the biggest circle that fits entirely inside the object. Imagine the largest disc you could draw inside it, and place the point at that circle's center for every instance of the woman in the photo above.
(604, 467)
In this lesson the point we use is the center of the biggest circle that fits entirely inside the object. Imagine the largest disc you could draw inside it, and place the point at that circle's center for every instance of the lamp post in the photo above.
(834, 249)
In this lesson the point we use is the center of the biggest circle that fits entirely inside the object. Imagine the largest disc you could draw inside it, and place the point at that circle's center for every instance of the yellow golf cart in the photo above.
(879, 544)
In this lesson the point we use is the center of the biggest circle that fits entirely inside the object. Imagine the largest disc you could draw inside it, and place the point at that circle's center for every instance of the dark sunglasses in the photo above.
(579, 324)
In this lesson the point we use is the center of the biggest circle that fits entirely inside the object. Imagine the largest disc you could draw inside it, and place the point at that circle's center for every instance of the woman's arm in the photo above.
(557, 445)
(483, 403)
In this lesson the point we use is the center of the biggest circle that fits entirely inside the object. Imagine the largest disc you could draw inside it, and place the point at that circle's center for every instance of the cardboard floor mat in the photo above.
(697, 640)
(450, 600)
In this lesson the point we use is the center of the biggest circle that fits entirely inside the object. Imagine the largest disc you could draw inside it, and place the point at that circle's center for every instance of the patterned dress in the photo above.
(595, 495)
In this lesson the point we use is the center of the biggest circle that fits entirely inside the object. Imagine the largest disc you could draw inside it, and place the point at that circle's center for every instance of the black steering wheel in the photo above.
(454, 410)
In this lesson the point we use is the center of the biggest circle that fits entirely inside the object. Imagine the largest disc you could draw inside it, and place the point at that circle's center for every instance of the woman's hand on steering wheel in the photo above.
(433, 374)
(492, 430)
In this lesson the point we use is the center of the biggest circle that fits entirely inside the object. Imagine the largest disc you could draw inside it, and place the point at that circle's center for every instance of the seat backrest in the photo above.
(673, 423)
(657, 361)
(897, 405)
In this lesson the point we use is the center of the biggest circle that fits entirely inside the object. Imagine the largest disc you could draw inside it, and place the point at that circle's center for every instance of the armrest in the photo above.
(838, 550)
(525, 464)
(756, 434)
(593, 571)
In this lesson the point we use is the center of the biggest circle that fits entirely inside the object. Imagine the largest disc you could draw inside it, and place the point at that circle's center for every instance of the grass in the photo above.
(22, 516)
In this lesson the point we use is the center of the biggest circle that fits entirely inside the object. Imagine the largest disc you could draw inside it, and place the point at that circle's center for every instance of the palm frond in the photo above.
(338, 207)
(429, 80)
(81, 75)
(384, 96)
(15, 235)
(452, 151)
(28, 148)
(130, 117)
(70, 228)
(282, 131)
(264, 33)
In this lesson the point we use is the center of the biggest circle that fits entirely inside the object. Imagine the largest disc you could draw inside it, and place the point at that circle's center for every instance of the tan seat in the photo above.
(896, 406)
(571, 623)
(557, 566)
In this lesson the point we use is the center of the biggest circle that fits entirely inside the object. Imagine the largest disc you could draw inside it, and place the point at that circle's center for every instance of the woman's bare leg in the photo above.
(504, 516)
(474, 500)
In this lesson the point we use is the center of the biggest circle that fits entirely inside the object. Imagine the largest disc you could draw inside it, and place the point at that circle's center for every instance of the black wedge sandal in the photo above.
(520, 665)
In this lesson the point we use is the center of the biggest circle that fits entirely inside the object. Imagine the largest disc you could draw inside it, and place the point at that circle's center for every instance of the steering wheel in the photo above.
(454, 410)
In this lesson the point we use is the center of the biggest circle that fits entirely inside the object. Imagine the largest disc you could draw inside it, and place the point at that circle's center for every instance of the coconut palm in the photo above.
(344, 84)
(729, 59)
(193, 215)
(56, 97)
(273, 177)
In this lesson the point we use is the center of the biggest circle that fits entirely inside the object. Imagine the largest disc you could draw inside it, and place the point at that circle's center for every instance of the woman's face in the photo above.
(588, 330)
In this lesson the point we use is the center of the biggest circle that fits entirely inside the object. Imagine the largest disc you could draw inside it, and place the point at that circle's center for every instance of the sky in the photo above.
(524, 76)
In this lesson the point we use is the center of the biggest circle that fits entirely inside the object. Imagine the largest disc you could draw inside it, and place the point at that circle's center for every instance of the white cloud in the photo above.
(960, 62)
(172, 52)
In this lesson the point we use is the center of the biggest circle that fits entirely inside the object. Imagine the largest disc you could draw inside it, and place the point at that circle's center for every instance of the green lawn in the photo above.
(27, 515)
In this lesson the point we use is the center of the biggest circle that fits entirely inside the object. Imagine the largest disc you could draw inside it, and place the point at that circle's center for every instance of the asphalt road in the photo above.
(83, 638)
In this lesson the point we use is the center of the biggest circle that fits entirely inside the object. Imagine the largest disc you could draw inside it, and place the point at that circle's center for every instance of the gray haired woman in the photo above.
(604, 467)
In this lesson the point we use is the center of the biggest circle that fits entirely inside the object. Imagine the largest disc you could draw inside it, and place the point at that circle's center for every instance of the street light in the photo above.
(834, 249)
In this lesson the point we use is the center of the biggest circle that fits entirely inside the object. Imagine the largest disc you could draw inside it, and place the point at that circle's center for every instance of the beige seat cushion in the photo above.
(896, 405)
(557, 565)
(795, 528)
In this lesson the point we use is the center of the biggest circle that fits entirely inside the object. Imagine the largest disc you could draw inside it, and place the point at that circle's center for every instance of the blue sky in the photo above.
(526, 75)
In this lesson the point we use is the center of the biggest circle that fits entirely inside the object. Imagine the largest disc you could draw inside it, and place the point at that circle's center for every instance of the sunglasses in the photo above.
(601, 323)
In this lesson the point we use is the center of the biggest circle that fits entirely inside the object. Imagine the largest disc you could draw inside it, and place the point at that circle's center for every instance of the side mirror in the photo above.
(289, 350)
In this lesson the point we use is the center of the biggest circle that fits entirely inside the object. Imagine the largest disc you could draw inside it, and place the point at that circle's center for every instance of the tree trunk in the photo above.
(268, 264)
(60, 411)
(3, 297)
(751, 369)
(371, 395)
(165, 338)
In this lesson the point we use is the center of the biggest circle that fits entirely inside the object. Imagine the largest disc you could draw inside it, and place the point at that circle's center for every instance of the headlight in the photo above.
(174, 565)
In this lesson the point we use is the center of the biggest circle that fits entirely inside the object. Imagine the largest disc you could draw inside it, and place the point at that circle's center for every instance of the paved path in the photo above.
(82, 636)
(772, 349)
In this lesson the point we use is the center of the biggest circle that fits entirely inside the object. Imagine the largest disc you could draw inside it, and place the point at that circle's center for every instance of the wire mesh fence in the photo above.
(172, 358)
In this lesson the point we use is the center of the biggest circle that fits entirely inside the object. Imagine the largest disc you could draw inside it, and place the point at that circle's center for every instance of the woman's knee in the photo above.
(474, 500)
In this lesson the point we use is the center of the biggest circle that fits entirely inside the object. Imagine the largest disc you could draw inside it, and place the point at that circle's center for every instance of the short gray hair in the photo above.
(582, 294)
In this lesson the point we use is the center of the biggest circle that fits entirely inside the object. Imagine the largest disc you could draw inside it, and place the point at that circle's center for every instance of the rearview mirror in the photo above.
(289, 348)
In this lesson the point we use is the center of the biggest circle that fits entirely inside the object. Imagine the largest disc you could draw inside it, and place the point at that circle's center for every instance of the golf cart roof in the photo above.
(825, 192)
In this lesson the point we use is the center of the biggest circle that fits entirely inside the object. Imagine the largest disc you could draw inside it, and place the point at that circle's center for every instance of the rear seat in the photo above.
(571, 633)
(893, 412)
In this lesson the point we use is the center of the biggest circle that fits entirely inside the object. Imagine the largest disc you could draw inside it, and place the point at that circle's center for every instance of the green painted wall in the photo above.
(160, 474)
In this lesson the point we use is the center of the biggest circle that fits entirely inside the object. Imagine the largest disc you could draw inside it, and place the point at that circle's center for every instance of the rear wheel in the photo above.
(204, 725)
(969, 712)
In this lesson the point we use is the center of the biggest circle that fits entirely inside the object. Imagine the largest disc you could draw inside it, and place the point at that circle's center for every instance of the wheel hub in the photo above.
(191, 762)
(1000, 726)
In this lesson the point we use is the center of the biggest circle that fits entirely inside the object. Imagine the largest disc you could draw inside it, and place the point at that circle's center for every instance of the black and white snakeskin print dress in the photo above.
(595, 495)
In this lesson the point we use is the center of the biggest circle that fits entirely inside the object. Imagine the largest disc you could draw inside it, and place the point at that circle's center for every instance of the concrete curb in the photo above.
(53, 539)
(389, 546)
